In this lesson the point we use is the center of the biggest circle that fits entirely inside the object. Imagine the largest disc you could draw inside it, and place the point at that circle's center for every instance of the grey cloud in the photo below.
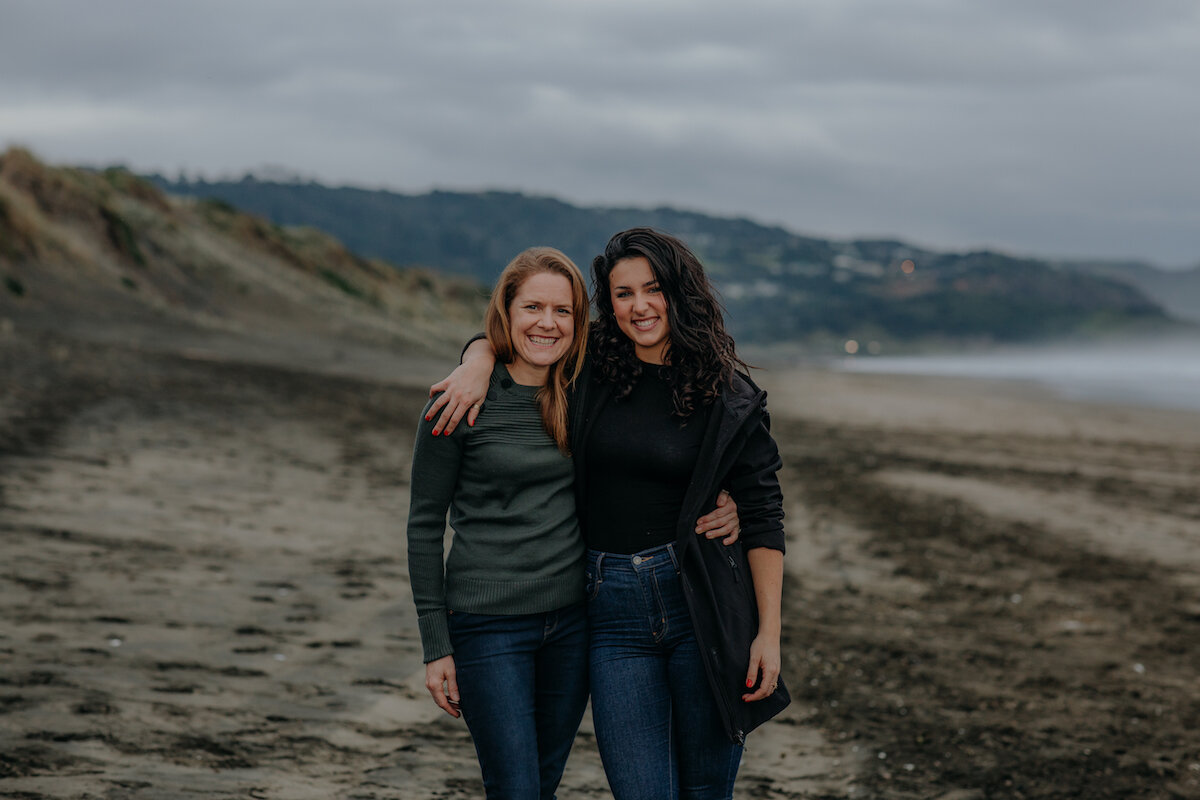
(1012, 123)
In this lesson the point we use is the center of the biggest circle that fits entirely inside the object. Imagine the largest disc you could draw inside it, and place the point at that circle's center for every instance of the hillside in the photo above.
(108, 255)
(778, 286)
(1177, 291)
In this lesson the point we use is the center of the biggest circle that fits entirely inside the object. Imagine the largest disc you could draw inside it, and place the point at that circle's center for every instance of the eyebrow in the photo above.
(650, 282)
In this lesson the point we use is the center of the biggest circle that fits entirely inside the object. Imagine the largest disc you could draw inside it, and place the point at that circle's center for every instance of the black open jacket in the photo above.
(737, 454)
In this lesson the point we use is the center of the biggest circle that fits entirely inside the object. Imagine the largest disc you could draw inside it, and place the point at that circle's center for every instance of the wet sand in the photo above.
(991, 593)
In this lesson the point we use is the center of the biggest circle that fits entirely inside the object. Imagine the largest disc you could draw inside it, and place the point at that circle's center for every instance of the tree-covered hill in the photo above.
(777, 285)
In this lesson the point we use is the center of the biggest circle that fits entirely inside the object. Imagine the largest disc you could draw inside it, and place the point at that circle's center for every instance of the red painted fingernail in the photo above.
(429, 418)
(749, 683)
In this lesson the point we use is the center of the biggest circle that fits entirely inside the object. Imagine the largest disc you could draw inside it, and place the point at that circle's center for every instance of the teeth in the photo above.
(542, 340)
(644, 323)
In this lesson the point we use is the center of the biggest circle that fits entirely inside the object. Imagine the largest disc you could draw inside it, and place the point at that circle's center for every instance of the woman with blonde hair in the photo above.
(503, 625)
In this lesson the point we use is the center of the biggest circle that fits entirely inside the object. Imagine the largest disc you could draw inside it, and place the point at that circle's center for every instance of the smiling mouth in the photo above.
(645, 324)
(543, 341)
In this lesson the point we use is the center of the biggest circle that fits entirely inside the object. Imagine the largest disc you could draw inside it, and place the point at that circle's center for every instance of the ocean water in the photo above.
(1164, 374)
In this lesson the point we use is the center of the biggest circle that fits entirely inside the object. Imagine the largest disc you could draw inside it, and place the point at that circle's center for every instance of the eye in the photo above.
(622, 293)
(565, 311)
(655, 289)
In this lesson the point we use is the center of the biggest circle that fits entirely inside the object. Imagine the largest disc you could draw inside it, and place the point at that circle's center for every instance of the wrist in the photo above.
(770, 628)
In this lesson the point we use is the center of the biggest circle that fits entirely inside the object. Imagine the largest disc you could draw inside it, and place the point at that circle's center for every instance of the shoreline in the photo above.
(1156, 374)
(966, 404)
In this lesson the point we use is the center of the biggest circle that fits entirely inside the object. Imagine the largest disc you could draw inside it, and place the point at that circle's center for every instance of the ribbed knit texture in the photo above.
(516, 547)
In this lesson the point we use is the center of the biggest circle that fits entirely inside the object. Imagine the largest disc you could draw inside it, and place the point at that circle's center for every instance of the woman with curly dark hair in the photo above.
(684, 631)
(702, 354)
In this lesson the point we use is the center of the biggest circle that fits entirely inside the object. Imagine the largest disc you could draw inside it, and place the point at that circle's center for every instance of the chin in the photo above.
(543, 360)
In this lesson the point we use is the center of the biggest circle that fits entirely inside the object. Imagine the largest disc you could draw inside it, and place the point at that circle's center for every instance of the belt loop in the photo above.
(600, 566)
(674, 559)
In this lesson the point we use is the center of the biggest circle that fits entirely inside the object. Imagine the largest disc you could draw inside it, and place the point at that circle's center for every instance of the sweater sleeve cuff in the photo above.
(772, 538)
(435, 636)
(470, 342)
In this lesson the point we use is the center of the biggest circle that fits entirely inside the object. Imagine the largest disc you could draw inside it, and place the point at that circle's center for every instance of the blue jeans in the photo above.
(522, 682)
(657, 725)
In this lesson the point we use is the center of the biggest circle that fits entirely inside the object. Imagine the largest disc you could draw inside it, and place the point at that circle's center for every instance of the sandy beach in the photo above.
(992, 593)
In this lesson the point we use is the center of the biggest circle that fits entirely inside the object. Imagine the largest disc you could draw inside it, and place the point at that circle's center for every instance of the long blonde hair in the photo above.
(552, 396)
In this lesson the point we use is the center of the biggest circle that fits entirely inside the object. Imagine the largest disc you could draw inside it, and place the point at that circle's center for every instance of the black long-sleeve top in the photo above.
(640, 459)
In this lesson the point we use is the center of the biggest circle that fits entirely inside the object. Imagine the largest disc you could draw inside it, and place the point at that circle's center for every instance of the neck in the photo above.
(527, 374)
(651, 355)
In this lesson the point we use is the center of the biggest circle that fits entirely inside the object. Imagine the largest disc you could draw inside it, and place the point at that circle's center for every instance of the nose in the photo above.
(546, 319)
(639, 303)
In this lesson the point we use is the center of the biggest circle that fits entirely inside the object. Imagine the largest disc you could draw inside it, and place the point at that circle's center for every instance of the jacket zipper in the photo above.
(738, 736)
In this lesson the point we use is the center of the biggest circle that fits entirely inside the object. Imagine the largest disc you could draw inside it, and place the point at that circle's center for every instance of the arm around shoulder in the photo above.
(464, 390)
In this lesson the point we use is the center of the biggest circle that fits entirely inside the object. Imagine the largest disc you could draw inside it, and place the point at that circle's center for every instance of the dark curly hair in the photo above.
(700, 353)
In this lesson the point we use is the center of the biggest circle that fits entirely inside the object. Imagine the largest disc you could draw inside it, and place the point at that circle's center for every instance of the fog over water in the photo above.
(1163, 374)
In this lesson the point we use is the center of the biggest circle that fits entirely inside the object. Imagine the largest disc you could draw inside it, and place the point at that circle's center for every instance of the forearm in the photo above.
(435, 466)
(766, 569)
(463, 390)
(480, 349)
(426, 578)
(754, 483)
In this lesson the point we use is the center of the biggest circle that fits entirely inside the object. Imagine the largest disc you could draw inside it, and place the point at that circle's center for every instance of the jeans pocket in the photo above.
(591, 586)
(464, 622)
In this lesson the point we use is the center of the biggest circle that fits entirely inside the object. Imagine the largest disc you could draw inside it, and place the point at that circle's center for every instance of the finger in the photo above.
(448, 418)
(764, 691)
(456, 418)
(723, 514)
(770, 677)
(728, 529)
(721, 519)
(442, 399)
(718, 518)
(453, 696)
(766, 686)
(752, 672)
(449, 705)
(443, 702)
(435, 691)
(473, 414)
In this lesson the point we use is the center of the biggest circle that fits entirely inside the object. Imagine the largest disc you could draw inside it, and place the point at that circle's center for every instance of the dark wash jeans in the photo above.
(522, 682)
(657, 724)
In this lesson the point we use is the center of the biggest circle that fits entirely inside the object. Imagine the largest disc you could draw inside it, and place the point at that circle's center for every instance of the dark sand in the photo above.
(203, 590)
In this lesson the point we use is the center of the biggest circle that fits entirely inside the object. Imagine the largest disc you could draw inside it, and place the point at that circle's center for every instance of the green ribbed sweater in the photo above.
(516, 547)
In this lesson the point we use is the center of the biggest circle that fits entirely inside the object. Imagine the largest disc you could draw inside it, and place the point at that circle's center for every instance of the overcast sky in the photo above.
(1038, 127)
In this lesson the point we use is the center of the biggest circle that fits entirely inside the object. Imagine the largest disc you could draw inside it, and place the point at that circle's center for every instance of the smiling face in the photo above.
(541, 324)
(640, 308)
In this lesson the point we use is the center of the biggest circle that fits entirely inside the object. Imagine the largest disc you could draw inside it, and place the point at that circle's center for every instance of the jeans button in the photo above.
(637, 560)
